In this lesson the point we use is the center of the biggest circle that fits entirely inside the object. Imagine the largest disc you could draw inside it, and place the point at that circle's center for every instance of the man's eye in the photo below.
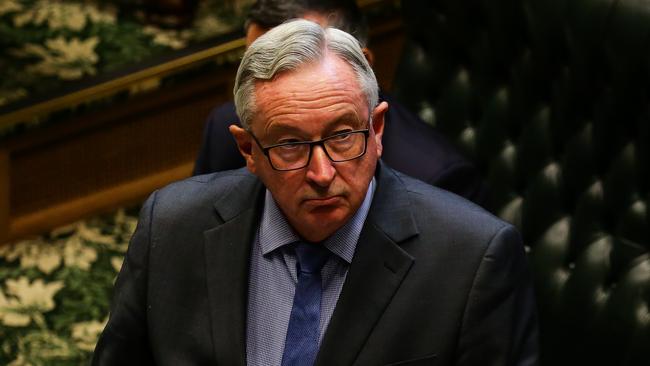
(290, 147)
(342, 137)
(287, 141)
(342, 134)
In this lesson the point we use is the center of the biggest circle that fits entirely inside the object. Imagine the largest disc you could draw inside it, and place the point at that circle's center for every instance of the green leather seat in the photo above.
(551, 100)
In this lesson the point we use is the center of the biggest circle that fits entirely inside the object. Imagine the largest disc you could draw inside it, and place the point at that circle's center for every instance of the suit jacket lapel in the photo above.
(376, 272)
(227, 249)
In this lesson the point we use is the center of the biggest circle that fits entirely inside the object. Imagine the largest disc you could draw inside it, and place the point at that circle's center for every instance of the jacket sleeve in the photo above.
(124, 340)
(500, 320)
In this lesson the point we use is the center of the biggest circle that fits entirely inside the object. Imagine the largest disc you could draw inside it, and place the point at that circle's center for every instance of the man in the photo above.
(317, 252)
(410, 145)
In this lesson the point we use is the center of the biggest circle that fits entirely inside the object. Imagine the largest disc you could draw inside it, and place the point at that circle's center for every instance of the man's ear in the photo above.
(369, 56)
(378, 118)
(245, 145)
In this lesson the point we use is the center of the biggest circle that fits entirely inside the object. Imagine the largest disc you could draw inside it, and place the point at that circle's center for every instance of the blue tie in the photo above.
(301, 345)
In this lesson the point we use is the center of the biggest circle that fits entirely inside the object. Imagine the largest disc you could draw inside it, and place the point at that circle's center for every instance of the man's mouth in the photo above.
(323, 201)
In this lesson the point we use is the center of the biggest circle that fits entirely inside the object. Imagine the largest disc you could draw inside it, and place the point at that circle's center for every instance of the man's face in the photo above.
(311, 103)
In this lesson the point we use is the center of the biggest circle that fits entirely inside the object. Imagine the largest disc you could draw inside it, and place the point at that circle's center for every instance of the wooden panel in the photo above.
(4, 195)
(111, 198)
(109, 157)
(92, 160)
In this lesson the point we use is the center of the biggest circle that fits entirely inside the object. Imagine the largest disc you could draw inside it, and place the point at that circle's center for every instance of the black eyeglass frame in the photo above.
(321, 143)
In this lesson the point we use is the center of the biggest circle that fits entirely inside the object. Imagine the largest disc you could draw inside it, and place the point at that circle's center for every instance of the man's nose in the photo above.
(320, 169)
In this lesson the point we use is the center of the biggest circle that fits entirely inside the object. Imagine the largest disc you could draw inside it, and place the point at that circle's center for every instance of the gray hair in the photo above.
(289, 46)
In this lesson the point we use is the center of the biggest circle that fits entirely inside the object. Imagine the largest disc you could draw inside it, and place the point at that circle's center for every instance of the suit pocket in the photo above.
(420, 361)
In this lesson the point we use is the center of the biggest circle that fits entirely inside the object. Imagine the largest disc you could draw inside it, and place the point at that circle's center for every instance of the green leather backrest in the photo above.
(551, 100)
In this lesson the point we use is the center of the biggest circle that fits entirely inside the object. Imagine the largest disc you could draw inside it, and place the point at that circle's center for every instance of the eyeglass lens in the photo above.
(338, 148)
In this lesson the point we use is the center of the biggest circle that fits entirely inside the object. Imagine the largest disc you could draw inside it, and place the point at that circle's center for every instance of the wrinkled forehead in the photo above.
(329, 81)
(329, 68)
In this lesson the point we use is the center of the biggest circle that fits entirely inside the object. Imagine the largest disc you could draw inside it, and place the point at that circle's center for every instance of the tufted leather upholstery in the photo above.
(551, 99)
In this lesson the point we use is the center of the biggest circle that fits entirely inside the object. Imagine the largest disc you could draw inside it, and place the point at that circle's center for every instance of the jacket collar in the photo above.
(227, 251)
(377, 270)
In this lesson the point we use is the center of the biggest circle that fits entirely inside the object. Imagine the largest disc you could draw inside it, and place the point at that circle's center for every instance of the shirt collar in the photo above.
(275, 232)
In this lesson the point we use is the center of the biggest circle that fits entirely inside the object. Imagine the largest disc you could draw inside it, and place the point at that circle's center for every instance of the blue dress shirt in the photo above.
(273, 279)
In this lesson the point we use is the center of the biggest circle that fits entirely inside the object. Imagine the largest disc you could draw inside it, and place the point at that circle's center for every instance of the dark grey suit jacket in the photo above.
(435, 280)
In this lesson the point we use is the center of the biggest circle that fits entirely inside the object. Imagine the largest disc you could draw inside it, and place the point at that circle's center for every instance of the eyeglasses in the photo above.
(340, 147)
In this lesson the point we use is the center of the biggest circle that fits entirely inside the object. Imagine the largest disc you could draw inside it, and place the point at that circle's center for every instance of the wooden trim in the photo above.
(4, 195)
(367, 3)
(119, 84)
(102, 201)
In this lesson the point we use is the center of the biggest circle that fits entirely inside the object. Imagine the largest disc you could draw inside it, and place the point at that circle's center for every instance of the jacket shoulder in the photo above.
(197, 196)
(436, 207)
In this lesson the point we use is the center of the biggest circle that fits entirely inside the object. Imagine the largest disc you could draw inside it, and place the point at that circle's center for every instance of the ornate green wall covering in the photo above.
(55, 290)
(47, 43)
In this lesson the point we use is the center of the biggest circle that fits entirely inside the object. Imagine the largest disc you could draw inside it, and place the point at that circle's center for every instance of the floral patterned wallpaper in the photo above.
(55, 290)
(48, 43)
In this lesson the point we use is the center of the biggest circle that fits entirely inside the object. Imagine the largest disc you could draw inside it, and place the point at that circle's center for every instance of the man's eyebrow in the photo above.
(346, 118)
(285, 128)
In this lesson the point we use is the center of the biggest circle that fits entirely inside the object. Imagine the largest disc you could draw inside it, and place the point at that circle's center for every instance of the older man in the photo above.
(317, 253)
(410, 145)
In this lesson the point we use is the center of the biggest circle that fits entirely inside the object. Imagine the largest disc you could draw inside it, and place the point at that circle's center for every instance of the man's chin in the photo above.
(322, 222)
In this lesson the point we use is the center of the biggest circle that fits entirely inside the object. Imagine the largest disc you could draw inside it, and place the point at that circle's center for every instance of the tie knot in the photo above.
(311, 257)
